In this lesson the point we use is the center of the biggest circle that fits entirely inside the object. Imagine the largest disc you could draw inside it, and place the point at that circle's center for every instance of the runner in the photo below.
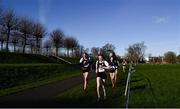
(116, 69)
(85, 67)
(113, 69)
(124, 63)
(101, 66)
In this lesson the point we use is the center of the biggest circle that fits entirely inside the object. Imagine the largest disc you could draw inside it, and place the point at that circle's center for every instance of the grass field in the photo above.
(156, 86)
(151, 86)
(18, 77)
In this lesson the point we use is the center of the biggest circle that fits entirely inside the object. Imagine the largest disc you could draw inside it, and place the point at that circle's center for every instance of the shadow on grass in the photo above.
(138, 88)
(136, 80)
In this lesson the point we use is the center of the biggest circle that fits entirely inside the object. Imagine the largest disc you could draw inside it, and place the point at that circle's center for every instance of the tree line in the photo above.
(169, 57)
(27, 35)
(136, 52)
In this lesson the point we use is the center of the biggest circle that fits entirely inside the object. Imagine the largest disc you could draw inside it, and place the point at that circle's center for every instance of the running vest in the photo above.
(84, 63)
(112, 66)
(100, 66)
(124, 63)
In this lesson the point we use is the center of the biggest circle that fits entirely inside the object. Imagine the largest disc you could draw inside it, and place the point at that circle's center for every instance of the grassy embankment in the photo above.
(23, 71)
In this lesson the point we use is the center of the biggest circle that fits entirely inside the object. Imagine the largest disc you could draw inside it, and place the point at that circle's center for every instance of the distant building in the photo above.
(156, 60)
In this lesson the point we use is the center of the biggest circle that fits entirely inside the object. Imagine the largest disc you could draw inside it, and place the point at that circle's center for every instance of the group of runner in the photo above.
(101, 66)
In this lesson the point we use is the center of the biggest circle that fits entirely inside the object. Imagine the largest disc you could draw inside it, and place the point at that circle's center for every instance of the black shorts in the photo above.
(102, 75)
(86, 70)
(112, 71)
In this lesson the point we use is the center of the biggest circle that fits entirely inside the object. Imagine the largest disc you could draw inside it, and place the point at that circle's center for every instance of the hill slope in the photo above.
(19, 58)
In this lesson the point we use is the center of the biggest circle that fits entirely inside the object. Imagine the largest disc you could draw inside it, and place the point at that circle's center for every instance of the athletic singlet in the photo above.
(102, 64)
(124, 63)
(112, 65)
(84, 62)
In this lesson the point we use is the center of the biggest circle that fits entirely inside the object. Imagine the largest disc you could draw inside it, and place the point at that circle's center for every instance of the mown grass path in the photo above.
(40, 96)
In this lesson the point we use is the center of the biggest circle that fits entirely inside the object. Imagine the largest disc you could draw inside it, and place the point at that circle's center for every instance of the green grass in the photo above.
(71, 59)
(151, 86)
(19, 71)
(38, 83)
(18, 77)
(161, 86)
(76, 97)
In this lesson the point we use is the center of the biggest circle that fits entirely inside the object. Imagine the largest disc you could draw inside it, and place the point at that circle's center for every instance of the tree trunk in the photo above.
(31, 49)
(39, 47)
(2, 45)
(14, 47)
(72, 52)
(68, 52)
(56, 51)
(47, 51)
(7, 40)
(24, 46)
(59, 51)
(36, 49)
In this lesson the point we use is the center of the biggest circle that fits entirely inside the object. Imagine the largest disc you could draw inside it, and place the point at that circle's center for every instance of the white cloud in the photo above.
(161, 19)
(44, 7)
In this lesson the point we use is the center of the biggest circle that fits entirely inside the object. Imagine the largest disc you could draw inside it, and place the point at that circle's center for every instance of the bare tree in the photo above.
(32, 45)
(47, 46)
(2, 33)
(86, 50)
(156, 60)
(95, 51)
(74, 44)
(1, 11)
(57, 37)
(178, 58)
(77, 51)
(106, 50)
(82, 49)
(15, 39)
(170, 57)
(1, 16)
(70, 43)
(136, 52)
(2, 40)
(9, 23)
(25, 27)
(67, 44)
(109, 47)
(39, 32)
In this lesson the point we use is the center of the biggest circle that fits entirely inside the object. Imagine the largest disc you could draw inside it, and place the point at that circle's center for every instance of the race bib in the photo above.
(101, 69)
